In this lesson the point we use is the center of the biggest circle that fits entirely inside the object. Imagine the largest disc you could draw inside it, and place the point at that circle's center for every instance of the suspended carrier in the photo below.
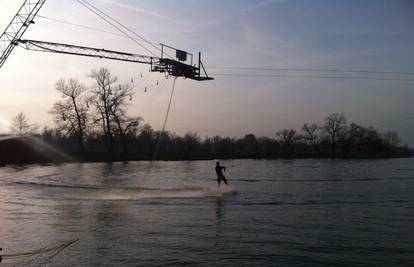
(182, 66)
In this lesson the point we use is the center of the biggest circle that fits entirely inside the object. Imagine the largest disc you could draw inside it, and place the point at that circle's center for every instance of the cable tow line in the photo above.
(157, 148)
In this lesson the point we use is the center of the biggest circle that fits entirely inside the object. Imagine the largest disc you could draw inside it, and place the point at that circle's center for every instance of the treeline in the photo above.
(92, 123)
(335, 138)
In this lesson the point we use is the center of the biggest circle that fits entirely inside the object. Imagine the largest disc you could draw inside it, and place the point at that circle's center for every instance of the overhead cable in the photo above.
(113, 25)
(124, 27)
(308, 70)
(311, 76)
(80, 26)
(157, 148)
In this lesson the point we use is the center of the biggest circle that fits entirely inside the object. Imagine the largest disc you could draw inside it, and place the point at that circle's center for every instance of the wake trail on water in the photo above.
(39, 257)
(96, 192)
(189, 192)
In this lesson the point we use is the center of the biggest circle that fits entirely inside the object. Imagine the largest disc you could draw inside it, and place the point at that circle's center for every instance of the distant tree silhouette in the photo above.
(247, 145)
(334, 128)
(392, 138)
(354, 141)
(190, 144)
(20, 125)
(290, 139)
(312, 136)
(145, 141)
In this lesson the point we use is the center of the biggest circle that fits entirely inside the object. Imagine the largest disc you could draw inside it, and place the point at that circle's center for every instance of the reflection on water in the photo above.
(220, 215)
(289, 213)
(220, 209)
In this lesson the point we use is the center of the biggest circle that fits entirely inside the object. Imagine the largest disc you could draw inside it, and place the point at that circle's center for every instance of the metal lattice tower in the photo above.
(59, 48)
(17, 27)
(181, 66)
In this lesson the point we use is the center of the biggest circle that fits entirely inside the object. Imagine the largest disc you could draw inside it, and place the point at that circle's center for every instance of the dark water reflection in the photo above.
(276, 213)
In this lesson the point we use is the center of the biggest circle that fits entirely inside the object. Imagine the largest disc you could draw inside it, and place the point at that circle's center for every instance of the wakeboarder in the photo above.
(220, 175)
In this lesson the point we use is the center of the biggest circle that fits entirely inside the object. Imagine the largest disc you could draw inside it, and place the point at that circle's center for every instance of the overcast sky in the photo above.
(299, 34)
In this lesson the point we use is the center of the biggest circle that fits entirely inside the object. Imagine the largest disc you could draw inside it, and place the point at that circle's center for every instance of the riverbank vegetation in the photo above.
(92, 124)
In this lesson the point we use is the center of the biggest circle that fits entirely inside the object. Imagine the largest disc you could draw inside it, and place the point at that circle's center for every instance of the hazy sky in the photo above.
(300, 34)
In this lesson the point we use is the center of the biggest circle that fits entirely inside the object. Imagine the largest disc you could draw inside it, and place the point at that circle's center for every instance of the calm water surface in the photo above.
(275, 213)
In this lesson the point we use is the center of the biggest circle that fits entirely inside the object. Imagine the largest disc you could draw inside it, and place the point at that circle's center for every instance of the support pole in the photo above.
(199, 64)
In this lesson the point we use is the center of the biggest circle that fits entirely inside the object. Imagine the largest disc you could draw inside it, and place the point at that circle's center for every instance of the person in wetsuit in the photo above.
(220, 175)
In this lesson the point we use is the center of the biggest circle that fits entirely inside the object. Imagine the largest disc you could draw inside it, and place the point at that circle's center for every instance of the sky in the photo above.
(291, 34)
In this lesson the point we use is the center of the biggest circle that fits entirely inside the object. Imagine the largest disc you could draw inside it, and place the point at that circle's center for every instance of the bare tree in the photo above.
(312, 135)
(20, 125)
(392, 138)
(334, 127)
(124, 123)
(352, 137)
(290, 138)
(101, 99)
(71, 114)
(111, 102)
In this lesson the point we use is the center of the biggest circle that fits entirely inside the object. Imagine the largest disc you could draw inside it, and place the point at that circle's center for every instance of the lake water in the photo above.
(274, 213)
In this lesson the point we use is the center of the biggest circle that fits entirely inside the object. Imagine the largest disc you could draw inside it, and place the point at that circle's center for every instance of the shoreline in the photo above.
(131, 158)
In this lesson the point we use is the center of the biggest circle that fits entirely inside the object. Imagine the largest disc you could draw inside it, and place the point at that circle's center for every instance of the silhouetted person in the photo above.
(0, 255)
(220, 175)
